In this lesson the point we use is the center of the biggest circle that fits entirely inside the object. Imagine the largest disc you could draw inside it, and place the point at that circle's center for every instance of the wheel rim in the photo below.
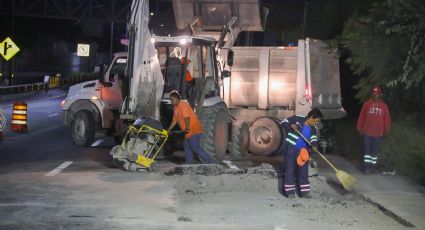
(79, 129)
(265, 136)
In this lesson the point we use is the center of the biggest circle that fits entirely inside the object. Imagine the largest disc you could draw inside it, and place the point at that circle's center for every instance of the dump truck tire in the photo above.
(240, 140)
(83, 128)
(266, 136)
(215, 122)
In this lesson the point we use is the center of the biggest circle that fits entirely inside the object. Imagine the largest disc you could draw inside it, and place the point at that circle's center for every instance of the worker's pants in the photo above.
(370, 151)
(193, 144)
(295, 174)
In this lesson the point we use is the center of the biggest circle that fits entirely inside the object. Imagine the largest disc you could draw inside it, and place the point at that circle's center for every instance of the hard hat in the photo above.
(377, 90)
(303, 157)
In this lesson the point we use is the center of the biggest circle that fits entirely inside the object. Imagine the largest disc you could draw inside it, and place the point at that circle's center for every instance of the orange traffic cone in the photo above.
(19, 117)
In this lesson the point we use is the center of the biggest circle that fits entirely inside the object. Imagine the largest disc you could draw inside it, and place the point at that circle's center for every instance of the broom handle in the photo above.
(317, 151)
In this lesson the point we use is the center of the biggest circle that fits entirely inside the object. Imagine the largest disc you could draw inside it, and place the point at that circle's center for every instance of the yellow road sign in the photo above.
(8, 49)
(83, 50)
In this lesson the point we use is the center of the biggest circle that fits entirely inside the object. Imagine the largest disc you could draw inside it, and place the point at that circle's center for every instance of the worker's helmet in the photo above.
(377, 90)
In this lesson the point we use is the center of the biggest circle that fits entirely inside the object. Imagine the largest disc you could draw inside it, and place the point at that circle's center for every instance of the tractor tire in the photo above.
(83, 128)
(215, 122)
(265, 136)
(240, 140)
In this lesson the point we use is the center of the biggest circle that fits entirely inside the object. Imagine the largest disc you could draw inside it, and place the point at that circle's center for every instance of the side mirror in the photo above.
(106, 84)
(230, 57)
(225, 73)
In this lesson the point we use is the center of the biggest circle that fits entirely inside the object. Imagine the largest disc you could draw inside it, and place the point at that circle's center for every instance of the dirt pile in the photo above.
(254, 198)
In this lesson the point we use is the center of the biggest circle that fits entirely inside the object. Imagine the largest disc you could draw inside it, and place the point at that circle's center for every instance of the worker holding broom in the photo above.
(373, 122)
(189, 122)
(296, 156)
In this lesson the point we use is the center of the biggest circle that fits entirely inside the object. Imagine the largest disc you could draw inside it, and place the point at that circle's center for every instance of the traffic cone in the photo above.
(19, 117)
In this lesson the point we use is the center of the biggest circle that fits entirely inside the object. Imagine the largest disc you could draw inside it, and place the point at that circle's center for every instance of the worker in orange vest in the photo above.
(189, 122)
(189, 81)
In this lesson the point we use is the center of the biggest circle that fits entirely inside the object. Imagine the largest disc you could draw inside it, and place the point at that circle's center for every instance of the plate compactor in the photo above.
(140, 146)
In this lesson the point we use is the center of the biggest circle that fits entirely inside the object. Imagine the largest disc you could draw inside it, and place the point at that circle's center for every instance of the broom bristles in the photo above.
(346, 180)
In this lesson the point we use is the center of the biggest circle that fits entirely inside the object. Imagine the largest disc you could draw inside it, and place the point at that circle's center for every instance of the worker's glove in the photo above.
(186, 131)
(303, 157)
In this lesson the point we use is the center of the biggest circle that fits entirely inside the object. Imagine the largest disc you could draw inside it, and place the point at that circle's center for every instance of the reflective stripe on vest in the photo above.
(292, 138)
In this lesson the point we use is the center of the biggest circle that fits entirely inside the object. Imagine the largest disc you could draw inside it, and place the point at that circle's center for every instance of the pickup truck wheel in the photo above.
(83, 128)
(215, 122)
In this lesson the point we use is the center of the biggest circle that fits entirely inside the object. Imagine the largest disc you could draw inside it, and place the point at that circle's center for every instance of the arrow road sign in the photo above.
(8, 49)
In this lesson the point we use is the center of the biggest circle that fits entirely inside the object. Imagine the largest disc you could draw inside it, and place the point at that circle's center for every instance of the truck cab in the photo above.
(94, 105)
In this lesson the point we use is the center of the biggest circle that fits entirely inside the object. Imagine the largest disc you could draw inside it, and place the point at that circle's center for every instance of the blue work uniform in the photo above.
(294, 143)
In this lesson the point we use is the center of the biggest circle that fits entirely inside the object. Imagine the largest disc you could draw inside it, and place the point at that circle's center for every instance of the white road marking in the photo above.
(52, 115)
(59, 168)
(96, 143)
(62, 95)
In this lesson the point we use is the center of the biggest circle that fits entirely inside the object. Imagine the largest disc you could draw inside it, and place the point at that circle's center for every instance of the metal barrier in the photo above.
(13, 92)
(2, 122)
(17, 89)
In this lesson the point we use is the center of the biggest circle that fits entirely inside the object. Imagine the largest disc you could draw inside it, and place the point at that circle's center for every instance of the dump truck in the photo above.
(278, 82)
(239, 93)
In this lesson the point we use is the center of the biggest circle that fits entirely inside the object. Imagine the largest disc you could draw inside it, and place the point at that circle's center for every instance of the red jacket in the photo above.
(374, 119)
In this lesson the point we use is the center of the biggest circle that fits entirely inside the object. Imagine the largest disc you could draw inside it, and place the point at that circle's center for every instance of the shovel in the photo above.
(344, 178)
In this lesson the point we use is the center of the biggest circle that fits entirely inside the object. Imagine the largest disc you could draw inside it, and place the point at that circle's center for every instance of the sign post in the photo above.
(8, 49)
(83, 50)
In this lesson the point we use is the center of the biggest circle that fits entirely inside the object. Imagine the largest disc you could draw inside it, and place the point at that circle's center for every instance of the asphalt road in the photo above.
(46, 182)
(47, 142)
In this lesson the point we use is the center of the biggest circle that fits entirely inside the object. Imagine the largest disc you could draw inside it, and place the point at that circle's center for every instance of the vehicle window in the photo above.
(118, 68)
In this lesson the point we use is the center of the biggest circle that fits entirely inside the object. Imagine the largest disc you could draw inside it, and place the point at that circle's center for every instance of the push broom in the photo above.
(344, 178)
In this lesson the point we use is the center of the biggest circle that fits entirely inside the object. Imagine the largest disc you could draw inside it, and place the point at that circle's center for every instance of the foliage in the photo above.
(387, 45)
(407, 158)
(403, 149)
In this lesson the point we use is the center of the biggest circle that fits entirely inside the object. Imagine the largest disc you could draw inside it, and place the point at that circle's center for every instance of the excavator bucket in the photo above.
(214, 14)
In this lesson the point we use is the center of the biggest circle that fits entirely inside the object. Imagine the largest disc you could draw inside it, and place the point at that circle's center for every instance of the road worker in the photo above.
(189, 85)
(373, 122)
(190, 124)
(297, 152)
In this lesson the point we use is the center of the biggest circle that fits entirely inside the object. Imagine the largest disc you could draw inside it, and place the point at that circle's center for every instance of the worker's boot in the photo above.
(306, 196)
(366, 170)
(290, 196)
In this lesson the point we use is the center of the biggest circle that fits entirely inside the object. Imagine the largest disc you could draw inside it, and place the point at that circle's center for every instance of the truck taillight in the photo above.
(307, 91)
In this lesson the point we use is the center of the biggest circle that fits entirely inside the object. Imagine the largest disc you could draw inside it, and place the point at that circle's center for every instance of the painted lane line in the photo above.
(96, 143)
(59, 168)
(61, 95)
(52, 115)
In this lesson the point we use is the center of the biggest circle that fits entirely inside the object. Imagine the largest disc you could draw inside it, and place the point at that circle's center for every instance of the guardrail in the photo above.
(21, 91)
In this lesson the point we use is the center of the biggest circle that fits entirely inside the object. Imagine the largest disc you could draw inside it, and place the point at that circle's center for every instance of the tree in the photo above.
(387, 45)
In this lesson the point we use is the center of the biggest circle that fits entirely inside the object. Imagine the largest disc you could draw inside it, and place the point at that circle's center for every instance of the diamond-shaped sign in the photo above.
(8, 49)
